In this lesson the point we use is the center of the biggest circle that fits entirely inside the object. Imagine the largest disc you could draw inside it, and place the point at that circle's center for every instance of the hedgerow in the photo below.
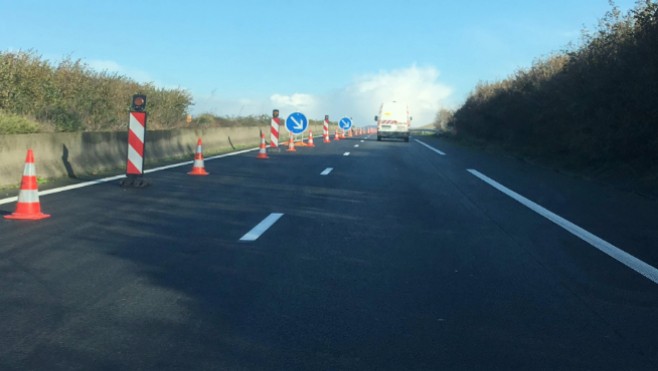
(593, 104)
(72, 97)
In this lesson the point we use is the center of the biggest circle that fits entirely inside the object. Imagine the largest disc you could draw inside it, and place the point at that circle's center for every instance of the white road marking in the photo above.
(616, 253)
(362, 141)
(346, 154)
(117, 177)
(356, 146)
(431, 148)
(262, 227)
(327, 171)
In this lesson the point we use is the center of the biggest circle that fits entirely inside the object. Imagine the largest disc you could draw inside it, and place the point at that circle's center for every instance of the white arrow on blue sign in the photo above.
(345, 123)
(296, 123)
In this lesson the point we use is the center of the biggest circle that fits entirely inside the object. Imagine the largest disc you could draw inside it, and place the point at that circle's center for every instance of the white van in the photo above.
(393, 121)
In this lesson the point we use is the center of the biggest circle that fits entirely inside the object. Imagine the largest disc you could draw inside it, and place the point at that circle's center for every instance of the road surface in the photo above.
(353, 255)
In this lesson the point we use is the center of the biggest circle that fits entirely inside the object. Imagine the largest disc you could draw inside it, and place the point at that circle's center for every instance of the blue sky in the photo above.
(318, 57)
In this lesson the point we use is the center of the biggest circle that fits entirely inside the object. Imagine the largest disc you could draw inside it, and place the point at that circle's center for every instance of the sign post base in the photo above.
(134, 181)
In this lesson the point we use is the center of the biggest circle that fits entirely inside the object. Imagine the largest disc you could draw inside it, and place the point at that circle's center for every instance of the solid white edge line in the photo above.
(611, 250)
(117, 177)
(431, 148)
(327, 171)
(263, 226)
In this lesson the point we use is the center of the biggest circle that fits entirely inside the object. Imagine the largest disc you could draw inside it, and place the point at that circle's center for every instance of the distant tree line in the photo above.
(590, 105)
(210, 120)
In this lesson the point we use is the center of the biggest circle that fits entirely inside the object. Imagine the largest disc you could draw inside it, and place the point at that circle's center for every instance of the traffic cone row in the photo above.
(198, 168)
(28, 206)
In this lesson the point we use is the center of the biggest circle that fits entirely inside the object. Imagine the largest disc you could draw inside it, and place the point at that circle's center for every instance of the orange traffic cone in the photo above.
(28, 206)
(310, 139)
(198, 168)
(336, 137)
(262, 152)
(291, 145)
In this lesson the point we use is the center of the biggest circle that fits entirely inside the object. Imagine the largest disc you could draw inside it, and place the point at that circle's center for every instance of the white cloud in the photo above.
(418, 86)
(295, 102)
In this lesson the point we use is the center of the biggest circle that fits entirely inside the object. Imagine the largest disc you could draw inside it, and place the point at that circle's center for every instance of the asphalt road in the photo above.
(397, 258)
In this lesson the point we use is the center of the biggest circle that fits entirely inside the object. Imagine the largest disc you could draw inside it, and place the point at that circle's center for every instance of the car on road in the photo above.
(393, 121)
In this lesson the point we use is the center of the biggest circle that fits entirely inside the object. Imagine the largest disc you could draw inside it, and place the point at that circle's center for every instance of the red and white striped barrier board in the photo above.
(325, 130)
(274, 132)
(136, 131)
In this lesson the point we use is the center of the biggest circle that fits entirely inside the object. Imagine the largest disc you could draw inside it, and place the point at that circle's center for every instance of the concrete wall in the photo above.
(86, 154)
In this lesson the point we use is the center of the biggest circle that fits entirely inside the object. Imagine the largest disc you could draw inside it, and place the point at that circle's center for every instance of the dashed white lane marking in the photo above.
(346, 154)
(327, 171)
(613, 251)
(431, 148)
(356, 146)
(261, 228)
(362, 141)
(117, 177)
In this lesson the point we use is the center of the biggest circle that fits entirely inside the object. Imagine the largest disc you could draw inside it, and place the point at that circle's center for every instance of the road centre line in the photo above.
(611, 250)
(431, 148)
(117, 177)
(261, 227)
(327, 171)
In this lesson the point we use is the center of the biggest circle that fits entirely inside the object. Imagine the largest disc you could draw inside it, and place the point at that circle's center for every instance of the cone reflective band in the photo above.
(28, 206)
(274, 130)
(136, 132)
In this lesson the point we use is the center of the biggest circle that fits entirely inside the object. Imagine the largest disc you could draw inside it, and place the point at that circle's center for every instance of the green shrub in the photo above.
(205, 119)
(66, 120)
(15, 124)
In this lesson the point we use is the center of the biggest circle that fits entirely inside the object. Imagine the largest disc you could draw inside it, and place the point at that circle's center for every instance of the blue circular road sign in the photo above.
(345, 123)
(296, 123)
